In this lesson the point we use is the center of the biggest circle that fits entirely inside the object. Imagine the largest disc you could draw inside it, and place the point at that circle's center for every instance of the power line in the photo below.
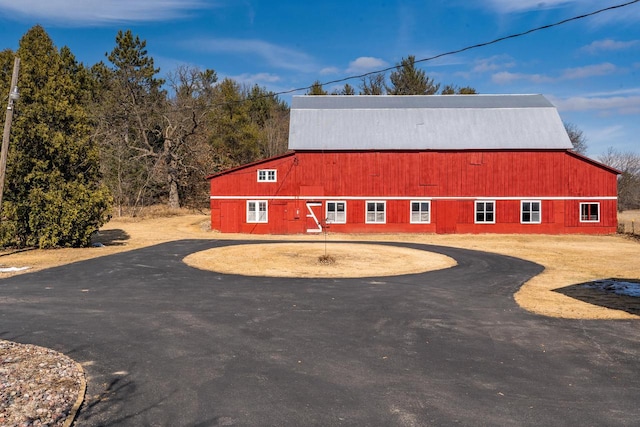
(464, 49)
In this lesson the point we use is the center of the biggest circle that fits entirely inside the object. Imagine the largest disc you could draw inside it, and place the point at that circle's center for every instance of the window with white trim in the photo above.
(336, 212)
(257, 211)
(376, 212)
(530, 212)
(589, 212)
(485, 212)
(267, 175)
(421, 212)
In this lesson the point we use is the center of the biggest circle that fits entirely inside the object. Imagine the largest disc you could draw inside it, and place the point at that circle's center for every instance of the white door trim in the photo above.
(311, 214)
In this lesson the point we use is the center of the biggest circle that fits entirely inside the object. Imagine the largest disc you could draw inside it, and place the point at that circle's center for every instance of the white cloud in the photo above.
(509, 6)
(506, 77)
(620, 92)
(629, 14)
(588, 71)
(626, 15)
(609, 45)
(257, 78)
(329, 70)
(603, 104)
(366, 64)
(98, 12)
(607, 133)
(493, 63)
(274, 55)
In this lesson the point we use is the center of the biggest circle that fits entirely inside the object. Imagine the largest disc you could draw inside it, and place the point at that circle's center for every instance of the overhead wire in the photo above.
(464, 49)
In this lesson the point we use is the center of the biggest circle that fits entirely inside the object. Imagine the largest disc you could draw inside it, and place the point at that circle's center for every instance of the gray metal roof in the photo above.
(425, 122)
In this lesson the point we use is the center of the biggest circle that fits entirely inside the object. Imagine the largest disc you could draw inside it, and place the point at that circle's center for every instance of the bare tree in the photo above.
(629, 181)
(184, 131)
(372, 85)
(577, 138)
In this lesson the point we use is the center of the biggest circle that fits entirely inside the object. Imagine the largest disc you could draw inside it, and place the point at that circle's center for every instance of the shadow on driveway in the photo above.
(166, 344)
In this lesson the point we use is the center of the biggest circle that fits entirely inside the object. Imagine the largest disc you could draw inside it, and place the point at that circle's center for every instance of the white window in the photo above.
(485, 212)
(421, 212)
(589, 212)
(336, 212)
(267, 175)
(257, 211)
(530, 211)
(376, 212)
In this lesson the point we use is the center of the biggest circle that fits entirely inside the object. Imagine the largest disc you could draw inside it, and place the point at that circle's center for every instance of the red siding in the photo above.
(451, 180)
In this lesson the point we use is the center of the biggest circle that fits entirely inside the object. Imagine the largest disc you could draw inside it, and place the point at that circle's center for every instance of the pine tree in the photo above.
(129, 105)
(316, 89)
(271, 115)
(235, 136)
(347, 89)
(409, 80)
(454, 90)
(54, 196)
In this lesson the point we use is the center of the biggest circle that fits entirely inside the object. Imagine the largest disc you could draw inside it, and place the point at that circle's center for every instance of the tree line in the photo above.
(92, 141)
(88, 142)
(407, 79)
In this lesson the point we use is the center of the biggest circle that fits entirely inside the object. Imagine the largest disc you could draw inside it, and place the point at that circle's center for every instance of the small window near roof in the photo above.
(267, 175)
(589, 212)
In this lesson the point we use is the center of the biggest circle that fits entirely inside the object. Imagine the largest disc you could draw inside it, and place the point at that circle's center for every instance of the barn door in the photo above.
(278, 218)
(446, 216)
(314, 217)
(229, 217)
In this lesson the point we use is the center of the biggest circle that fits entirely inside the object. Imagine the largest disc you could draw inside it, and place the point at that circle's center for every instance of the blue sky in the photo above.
(590, 69)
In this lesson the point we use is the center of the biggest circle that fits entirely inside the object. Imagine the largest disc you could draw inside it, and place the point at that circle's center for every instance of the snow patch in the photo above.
(12, 269)
(616, 286)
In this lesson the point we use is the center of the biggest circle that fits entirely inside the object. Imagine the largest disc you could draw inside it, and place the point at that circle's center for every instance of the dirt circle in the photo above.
(302, 260)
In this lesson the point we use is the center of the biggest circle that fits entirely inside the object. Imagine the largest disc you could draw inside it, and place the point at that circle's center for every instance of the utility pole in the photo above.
(13, 95)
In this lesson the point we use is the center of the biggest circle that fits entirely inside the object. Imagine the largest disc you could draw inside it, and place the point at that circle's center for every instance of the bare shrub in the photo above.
(326, 259)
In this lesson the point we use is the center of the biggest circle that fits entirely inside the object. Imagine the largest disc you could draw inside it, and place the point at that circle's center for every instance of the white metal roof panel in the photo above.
(431, 122)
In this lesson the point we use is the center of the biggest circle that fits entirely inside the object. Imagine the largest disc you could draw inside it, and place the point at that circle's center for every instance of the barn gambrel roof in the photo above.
(429, 122)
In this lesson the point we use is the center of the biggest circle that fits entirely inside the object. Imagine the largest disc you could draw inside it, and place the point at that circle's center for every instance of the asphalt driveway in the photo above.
(165, 344)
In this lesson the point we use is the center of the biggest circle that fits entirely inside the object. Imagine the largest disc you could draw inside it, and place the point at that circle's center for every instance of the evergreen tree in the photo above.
(466, 90)
(54, 196)
(347, 89)
(409, 80)
(234, 135)
(316, 89)
(271, 115)
(454, 90)
(129, 105)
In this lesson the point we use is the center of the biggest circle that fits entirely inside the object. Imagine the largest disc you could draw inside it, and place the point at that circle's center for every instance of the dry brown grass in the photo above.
(302, 260)
(628, 216)
(629, 221)
(568, 259)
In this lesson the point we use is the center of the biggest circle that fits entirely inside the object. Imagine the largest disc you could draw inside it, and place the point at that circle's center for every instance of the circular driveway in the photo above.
(164, 344)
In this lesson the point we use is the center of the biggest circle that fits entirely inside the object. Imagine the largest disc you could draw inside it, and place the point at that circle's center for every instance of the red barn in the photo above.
(443, 164)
